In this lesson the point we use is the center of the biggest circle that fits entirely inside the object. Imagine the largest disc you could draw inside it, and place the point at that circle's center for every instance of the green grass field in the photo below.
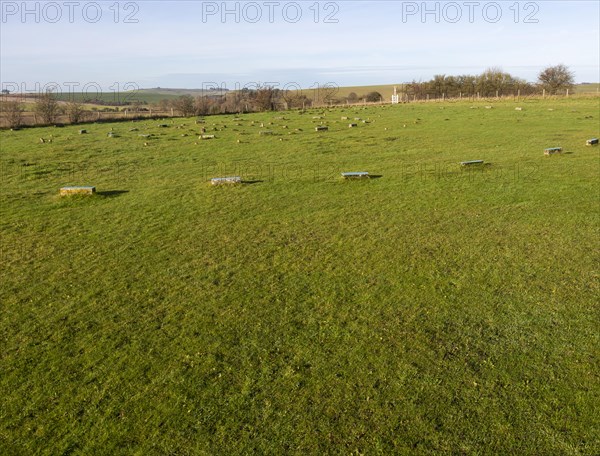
(118, 97)
(436, 309)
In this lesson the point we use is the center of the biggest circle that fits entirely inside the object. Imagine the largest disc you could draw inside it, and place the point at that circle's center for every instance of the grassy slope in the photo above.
(433, 311)
(114, 97)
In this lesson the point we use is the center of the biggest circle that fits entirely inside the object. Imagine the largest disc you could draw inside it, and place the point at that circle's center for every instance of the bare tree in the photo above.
(264, 98)
(164, 104)
(494, 81)
(556, 78)
(75, 112)
(201, 106)
(13, 111)
(47, 107)
(373, 97)
(289, 97)
(185, 105)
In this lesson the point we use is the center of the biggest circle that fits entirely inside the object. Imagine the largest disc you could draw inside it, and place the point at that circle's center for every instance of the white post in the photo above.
(395, 97)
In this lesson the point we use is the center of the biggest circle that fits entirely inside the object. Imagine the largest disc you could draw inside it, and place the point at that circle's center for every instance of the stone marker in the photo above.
(207, 137)
(226, 180)
(591, 142)
(82, 132)
(471, 162)
(552, 150)
(352, 125)
(66, 191)
(356, 175)
(518, 109)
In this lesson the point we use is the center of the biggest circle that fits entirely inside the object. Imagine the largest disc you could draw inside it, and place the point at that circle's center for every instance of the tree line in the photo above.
(491, 83)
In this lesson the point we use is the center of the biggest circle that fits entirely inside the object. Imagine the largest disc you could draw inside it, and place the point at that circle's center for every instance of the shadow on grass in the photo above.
(112, 193)
(476, 167)
(250, 182)
(358, 179)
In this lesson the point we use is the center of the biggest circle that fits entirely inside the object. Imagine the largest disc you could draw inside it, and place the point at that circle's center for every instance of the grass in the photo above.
(433, 310)
(147, 96)
(588, 87)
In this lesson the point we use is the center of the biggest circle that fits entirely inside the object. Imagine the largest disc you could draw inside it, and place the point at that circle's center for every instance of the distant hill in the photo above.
(180, 92)
(587, 87)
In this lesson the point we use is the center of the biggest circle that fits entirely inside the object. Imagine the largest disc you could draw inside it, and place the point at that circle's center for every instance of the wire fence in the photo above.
(29, 118)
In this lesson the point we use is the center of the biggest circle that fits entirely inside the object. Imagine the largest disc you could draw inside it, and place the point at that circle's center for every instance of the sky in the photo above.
(116, 45)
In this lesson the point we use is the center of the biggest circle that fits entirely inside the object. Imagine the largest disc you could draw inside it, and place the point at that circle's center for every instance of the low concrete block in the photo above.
(66, 191)
(356, 175)
(231, 180)
(471, 162)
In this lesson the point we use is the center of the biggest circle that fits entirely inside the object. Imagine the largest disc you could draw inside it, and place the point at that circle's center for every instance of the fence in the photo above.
(30, 119)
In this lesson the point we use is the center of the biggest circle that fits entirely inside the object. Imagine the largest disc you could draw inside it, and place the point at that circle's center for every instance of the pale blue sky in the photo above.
(371, 43)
